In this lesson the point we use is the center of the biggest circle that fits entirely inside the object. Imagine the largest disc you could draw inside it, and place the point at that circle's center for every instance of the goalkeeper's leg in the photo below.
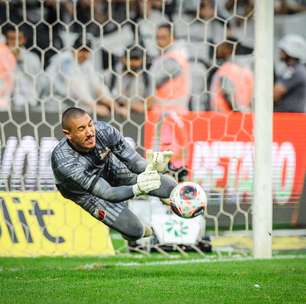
(130, 226)
(117, 216)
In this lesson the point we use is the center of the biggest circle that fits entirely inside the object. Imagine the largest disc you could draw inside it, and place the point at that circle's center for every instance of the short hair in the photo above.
(7, 28)
(168, 27)
(70, 113)
(134, 52)
(82, 43)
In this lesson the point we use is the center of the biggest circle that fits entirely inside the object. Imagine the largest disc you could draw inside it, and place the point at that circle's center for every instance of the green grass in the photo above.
(116, 280)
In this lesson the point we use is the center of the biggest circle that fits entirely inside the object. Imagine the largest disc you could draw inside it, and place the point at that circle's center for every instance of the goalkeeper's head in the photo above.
(79, 129)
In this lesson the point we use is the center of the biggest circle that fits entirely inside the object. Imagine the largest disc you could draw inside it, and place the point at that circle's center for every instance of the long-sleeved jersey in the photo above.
(108, 171)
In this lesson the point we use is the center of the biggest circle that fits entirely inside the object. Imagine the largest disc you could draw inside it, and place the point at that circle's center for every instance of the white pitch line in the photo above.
(203, 261)
(94, 266)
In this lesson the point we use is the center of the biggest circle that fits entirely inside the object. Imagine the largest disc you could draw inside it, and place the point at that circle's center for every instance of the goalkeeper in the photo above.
(95, 167)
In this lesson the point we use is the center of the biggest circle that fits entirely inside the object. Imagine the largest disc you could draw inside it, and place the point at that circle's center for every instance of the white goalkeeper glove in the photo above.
(146, 182)
(158, 160)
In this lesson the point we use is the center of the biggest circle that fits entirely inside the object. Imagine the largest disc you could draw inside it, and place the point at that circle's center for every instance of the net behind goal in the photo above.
(170, 74)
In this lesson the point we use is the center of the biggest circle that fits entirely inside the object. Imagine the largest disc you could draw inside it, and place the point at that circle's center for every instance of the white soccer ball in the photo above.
(188, 200)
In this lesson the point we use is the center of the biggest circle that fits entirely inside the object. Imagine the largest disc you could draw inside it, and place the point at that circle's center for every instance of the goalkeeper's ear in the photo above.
(67, 133)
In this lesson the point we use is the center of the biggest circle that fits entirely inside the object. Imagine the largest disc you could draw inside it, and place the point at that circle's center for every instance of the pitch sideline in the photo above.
(203, 261)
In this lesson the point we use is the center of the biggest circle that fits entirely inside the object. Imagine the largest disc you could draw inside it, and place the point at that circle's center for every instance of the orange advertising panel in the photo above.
(220, 151)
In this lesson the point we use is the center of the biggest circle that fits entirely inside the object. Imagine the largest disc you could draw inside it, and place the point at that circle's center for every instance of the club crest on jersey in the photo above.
(104, 153)
(100, 214)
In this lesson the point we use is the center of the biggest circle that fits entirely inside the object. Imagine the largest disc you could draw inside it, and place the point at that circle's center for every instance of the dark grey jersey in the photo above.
(108, 171)
(294, 80)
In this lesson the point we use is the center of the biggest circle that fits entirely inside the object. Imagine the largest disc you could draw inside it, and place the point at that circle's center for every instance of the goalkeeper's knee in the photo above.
(134, 232)
(134, 235)
(129, 225)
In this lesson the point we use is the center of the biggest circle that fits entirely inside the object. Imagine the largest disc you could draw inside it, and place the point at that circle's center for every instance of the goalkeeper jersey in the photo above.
(97, 171)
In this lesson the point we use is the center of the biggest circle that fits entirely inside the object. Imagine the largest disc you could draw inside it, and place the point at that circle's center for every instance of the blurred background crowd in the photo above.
(118, 56)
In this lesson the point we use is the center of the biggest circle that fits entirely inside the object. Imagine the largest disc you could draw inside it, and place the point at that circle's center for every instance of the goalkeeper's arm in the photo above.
(132, 159)
(146, 182)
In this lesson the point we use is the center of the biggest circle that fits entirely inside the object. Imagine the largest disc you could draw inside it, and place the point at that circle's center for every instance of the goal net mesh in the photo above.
(113, 58)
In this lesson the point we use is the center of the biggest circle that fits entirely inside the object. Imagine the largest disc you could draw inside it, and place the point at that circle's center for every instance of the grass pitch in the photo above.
(152, 280)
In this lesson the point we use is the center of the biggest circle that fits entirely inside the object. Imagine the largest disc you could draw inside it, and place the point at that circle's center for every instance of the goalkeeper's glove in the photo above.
(146, 182)
(158, 160)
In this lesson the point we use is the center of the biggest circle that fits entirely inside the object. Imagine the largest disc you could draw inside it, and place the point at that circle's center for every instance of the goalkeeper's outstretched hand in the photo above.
(158, 160)
(146, 182)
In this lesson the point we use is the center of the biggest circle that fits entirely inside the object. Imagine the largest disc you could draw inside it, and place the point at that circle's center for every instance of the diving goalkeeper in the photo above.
(95, 167)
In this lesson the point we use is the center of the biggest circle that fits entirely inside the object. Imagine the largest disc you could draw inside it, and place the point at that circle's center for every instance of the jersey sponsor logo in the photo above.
(104, 153)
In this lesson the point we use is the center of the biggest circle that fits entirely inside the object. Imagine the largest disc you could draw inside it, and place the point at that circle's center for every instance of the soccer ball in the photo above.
(188, 200)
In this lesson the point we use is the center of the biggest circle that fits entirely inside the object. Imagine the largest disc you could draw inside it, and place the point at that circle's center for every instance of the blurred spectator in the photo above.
(132, 85)
(167, 6)
(290, 83)
(171, 72)
(27, 69)
(115, 21)
(11, 11)
(148, 22)
(87, 15)
(205, 23)
(57, 14)
(240, 8)
(232, 84)
(171, 83)
(241, 23)
(199, 93)
(201, 26)
(39, 30)
(287, 7)
(7, 70)
(73, 80)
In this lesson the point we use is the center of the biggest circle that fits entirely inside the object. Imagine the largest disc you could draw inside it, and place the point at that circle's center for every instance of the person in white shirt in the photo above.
(72, 79)
(171, 72)
(131, 84)
(147, 24)
(171, 84)
(206, 26)
(28, 67)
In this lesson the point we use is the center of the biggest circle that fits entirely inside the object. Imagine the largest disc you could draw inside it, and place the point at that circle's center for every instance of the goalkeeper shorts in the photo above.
(115, 215)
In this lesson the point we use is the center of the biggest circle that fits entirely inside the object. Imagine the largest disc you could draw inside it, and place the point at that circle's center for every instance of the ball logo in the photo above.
(188, 193)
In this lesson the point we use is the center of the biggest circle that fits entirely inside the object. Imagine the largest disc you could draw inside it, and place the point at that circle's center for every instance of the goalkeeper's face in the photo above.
(82, 133)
